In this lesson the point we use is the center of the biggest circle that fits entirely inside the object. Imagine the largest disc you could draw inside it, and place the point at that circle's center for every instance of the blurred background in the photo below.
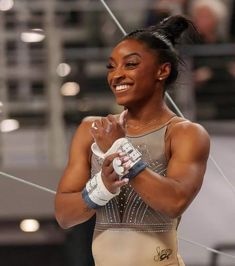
(53, 56)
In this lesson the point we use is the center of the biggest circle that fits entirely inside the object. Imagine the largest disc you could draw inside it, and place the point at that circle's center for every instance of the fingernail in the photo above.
(108, 129)
(127, 164)
(125, 159)
(94, 126)
(117, 162)
(126, 180)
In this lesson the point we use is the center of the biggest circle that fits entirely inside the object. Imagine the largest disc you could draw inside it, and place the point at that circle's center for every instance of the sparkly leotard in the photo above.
(128, 232)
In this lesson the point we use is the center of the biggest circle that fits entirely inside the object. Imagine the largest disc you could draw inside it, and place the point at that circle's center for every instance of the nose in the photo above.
(117, 75)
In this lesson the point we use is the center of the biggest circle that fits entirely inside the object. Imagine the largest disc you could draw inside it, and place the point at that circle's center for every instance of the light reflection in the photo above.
(63, 70)
(29, 225)
(8, 125)
(34, 35)
(6, 5)
(70, 89)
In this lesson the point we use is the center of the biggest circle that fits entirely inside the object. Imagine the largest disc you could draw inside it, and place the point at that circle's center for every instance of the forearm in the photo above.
(70, 209)
(161, 193)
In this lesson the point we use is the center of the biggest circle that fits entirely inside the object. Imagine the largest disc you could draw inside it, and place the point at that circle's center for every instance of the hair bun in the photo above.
(174, 26)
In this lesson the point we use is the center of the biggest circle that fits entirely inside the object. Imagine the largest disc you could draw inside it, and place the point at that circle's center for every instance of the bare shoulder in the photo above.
(190, 137)
(185, 128)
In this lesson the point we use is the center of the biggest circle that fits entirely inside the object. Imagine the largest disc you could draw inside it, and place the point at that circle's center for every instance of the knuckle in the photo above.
(111, 117)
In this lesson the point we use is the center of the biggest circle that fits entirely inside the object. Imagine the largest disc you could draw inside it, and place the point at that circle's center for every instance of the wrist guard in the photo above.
(123, 145)
(135, 164)
(95, 194)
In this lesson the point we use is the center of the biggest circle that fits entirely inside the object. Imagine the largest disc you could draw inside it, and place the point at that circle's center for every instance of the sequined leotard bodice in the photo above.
(127, 212)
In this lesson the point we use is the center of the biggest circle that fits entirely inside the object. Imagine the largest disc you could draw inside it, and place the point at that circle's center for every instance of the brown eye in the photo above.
(131, 64)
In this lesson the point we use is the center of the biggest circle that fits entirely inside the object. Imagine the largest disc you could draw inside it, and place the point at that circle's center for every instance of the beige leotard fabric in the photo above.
(128, 232)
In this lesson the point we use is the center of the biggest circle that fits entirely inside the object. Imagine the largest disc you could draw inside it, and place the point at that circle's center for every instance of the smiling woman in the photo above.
(137, 171)
(129, 66)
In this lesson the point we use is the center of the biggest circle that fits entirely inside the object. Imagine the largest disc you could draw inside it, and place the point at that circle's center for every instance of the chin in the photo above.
(123, 101)
(129, 102)
(126, 105)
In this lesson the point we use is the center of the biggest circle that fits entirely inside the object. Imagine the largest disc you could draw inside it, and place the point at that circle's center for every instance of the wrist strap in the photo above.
(115, 147)
(136, 165)
(135, 170)
(95, 194)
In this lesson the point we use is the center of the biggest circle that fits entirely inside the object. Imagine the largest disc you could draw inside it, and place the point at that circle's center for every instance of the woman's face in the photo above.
(132, 72)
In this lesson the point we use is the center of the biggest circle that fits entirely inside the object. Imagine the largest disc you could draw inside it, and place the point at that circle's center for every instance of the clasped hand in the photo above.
(107, 129)
(105, 132)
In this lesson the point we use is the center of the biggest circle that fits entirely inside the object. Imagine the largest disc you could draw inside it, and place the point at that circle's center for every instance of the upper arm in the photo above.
(77, 171)
(189, 153)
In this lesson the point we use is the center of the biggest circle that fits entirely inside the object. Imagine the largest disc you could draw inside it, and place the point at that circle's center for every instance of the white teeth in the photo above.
(122, 87)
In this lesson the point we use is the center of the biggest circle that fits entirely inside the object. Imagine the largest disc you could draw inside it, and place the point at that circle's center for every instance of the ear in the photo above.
(163, 71)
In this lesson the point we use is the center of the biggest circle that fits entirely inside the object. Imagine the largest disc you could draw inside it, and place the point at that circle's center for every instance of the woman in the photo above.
(140, 170)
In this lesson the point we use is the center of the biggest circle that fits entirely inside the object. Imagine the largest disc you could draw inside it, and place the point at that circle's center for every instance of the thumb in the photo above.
(122, 182)
(122, 118)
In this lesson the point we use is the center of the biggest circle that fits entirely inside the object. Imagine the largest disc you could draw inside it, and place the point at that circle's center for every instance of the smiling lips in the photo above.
(122, 87)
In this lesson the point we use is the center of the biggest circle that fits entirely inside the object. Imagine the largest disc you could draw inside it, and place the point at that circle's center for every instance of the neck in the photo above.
(151, 108)
(145, 114)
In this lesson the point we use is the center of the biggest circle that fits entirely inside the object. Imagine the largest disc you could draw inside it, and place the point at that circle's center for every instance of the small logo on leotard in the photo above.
(163, 254)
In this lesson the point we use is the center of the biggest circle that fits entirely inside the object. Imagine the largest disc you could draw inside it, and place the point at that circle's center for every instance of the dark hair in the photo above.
(163, 37)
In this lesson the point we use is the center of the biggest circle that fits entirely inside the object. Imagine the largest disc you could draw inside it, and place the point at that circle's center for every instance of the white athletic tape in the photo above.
(124, 146)
(95, 194)
(96, 150)
(117, 166)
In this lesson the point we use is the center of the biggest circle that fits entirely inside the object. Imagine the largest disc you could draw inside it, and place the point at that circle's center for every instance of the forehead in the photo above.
(131, 46)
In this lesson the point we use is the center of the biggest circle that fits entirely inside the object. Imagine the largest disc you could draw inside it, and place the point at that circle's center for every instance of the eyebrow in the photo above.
(128, 55)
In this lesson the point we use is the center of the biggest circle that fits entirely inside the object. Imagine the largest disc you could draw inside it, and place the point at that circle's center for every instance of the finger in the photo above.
(112, 119)
(109, 175)
(127, 165)
(94, 126)
(103, 121)
(124, 158)
(98, 123)
(109, 159)
(93, 129)
(113, 176)
(122, 118)
(126, 162)
(97, 129)
(107, 125)
(109, 170)
(121, 183)
(93, 134)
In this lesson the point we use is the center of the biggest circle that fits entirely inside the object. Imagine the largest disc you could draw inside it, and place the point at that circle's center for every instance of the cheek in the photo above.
(146, 75)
